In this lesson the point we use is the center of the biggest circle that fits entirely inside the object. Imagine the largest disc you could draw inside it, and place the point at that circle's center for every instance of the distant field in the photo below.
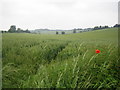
(61, 61)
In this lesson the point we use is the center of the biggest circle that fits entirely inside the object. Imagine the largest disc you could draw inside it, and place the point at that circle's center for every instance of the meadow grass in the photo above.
(61, 61)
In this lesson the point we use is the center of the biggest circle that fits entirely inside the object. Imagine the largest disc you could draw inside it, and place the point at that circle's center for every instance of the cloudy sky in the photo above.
(57, 14)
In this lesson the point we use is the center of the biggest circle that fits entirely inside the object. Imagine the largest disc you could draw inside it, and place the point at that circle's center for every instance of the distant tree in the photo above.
(3, 31)
(103, 27)
(27, 31)
(57, 33)
(12, 29)
(100, 27)
(80, 31)
(63, 32)
(19, 30)
(74, 31)
(106, 26)
(96, 27)
(116, 25)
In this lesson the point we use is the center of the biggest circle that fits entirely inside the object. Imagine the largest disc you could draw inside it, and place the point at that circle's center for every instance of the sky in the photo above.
(57, 14)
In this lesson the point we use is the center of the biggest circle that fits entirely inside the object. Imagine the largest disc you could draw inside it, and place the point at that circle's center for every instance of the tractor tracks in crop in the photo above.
(52, 54)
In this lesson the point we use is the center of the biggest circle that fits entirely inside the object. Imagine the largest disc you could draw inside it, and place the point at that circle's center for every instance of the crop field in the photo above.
(60, 61)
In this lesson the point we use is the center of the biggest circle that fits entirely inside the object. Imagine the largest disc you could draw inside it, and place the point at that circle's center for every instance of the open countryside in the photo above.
(61, 61)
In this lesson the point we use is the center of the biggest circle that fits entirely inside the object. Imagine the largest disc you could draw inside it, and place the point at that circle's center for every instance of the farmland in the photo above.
(60, 61)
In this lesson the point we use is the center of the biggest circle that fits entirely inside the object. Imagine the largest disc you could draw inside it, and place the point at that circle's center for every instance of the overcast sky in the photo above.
(57, 14)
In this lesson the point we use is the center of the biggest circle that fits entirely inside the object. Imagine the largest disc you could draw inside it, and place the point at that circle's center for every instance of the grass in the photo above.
(61, 61)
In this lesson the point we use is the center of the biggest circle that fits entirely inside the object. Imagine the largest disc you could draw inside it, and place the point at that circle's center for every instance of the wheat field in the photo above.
(60, 61)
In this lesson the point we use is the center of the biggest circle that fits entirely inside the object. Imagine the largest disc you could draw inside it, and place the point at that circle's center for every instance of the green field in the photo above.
(61, 61)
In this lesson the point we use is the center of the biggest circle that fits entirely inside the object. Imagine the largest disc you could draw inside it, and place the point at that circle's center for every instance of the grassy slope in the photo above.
(32, 60)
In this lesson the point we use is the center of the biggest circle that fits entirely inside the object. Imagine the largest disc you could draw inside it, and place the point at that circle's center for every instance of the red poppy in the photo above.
(97, 51)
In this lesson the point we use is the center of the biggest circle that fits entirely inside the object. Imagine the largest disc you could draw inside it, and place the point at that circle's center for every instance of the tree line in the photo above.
(95, 28)
(104, 27)
(14, 30)
(19, 30)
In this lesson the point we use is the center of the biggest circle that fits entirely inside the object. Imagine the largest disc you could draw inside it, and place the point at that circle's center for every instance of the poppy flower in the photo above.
(97, 51)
